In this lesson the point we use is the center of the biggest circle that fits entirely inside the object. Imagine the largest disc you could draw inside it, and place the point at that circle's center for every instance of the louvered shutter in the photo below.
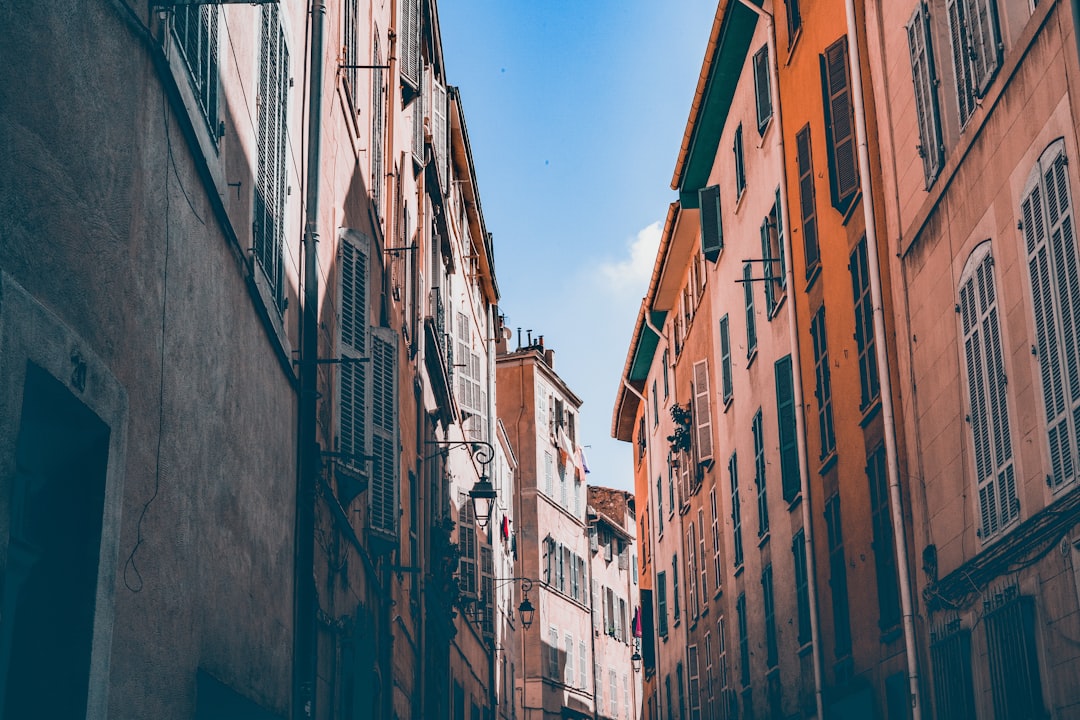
(989, 413)
(925, 83)
(409, 41)
(725, 358)
(1050, 240)
(712, 230)
(807, 204)
(766, 267)
(354, 379)
(751, 320)
(984, 42)
(840, 124)
(383, 491)
(419, 103)
(785, 412)
(439, 136)
(958, 40)
(761, 88)
(703, 411)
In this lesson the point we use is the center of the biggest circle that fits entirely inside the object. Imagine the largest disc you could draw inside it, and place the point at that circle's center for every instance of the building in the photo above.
(235, 252)
(978, 142)
(613, 573)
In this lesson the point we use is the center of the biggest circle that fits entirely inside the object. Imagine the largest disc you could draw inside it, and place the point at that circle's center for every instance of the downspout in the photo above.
(796, 375)
(882, 356)
(307, 477)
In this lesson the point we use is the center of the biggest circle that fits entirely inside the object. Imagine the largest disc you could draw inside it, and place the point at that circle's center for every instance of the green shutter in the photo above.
(761, 88)
(785, 412)
(712, 231)
(354, 439)
(807, 204)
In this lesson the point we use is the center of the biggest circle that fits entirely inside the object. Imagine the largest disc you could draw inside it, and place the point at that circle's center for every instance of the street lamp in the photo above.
(635, 661)
(526, 609)
(483, 499)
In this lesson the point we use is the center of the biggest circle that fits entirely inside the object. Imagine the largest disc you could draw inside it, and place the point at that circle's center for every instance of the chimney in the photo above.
(549, 358)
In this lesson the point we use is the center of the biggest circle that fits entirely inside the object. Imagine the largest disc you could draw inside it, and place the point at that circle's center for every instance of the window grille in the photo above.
(1014, 663)
(950, 657)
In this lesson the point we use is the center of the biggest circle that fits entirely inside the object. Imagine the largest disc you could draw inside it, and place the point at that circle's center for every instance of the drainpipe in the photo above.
(882, 354)
(307, 477)
(796, 375)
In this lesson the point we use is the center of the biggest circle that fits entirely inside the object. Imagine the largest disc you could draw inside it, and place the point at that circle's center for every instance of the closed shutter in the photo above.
(924, 78)
(840, 124)
(988, 414)
(270, 178)
(767, 266)
(1050, 241)
(807, 204)
(409, 39)
(751, 320)
(354, 380)
(383, 490)
(661, 603)
(712, 230)
(761, 88)
(439, 137)
(725, 358)
(785, 412)
(418, 118)
(691, 572)
(985, 43)
(703, 411)
(958, 41)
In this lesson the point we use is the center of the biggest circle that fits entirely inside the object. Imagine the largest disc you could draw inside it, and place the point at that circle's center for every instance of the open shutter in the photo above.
(807, 205)
(725, 358)
(958, 40)
(383, 491)
(353, 376)
(785, 411)
(840, 123)
(984, 43)
(926, 104)
(761, 88)
(751, 320)
(703, 412)
(767, 266)
(409, 40)
(439, 136)
(712, 231)
(419, 104)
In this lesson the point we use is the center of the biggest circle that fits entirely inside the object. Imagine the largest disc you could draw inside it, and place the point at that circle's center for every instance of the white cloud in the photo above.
(631, 274)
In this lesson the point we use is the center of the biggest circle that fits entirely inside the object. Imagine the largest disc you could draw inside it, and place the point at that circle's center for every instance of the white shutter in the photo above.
(354, 438)
(383, 491)
(703, 411)
(439, 131)
(958, 40)
(925, 83)
(409, 40)
(984, 41)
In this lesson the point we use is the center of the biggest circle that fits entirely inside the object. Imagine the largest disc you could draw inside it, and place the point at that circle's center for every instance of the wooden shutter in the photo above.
(409, 41)
(766, 267)
(725, 358)
(751, 320)
(383, 491)
(661, 603)
(354, 439)
(712, 230)
(807, 204)
(926, 103)
(761, 88)
(703, 412)
(439, 135)
(419, 103)
(984, 42)
(840, 124)
(785, 412)
(958, 41)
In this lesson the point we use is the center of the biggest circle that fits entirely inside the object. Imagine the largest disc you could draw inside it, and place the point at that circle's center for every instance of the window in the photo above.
(772, 255)
(708, 693)
(715, 540)
(661, 603)
(839, 125)
(807, 202)
(987, 398)
(1014, 661)
(950, 656)
(759, 474)
(471, 397)
(744, 641)
(802, 587)
(751, 321)
(823, 384)
(761, 88)
(439, 135)
(383, 490)
(785, 420)
(378, 127)
(568, 670)
(659, 506)
(838, 578)
(725, 360)
(195, 28)
(702, 408)
(888, 587)
(691, 572)
(712, 230)
(693, 678)
(467, 546)
(549, 473)
(770, 616)
(655, 405)
(794, 19)
(409, 38)
(703, 564)
(553, 652)
(583, 670)
(626, 695)
(924, 76)
(675, 586)
(681, 688)
(736, 512)
(600, 688)
(613, 685)
(354, 439)
(1050, 238)
(487, 588)
(864, 325)
(976, 43)
(667, 384)
(740, 163)
(722, 665)
(269, 225)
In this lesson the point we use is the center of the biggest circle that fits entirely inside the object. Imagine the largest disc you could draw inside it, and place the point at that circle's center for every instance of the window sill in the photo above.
(739, 569)
(777, 305)
(805, 648)
(793, 45)
(827, 462)
(891, 634)
(763, 540)
(728, 402)
(812, 274)
(795, 502)
(848, 212)
(871, 411)
(751, 356)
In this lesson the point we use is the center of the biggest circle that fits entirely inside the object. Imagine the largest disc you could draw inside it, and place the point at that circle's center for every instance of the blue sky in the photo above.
(576, 110)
